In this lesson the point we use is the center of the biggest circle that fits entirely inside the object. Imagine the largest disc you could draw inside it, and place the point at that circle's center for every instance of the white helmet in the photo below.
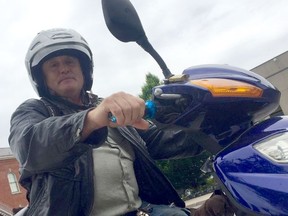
(55, 42)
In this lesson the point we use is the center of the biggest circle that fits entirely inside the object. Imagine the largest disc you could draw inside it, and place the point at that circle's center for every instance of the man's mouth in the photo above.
(66, 78)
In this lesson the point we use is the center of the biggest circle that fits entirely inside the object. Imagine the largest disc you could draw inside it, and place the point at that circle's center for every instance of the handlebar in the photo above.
(150, 112)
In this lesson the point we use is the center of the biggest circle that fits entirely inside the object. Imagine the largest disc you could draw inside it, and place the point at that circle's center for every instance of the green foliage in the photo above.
(185, 173)
(151, 81)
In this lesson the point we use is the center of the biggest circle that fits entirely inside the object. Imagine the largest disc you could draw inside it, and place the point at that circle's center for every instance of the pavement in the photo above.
(197, 202)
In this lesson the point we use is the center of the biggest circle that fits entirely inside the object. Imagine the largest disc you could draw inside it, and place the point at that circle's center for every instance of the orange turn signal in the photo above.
(229, 88)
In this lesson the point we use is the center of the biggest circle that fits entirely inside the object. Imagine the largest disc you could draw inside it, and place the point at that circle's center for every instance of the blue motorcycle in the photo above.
(227, 109)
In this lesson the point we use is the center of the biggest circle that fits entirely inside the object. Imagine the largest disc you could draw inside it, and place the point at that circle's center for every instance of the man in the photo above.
(73, 159)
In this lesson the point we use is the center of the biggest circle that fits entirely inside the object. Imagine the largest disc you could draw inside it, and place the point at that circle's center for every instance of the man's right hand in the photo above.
(126, 108)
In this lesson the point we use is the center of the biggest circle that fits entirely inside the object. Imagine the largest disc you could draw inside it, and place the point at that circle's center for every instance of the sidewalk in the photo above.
(197, 202)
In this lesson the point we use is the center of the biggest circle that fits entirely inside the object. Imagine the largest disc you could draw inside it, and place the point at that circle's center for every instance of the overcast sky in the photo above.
(242, 33)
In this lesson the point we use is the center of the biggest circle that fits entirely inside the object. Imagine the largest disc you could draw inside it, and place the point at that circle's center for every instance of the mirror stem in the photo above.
(145, 44)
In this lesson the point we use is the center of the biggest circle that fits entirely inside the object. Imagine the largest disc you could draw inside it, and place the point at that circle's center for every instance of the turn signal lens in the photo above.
(275, 148)
(229, 88)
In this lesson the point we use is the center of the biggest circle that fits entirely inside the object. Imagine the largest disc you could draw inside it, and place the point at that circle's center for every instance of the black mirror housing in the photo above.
(122, 20)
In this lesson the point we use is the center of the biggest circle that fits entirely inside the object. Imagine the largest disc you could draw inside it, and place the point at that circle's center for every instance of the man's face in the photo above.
(63, 76)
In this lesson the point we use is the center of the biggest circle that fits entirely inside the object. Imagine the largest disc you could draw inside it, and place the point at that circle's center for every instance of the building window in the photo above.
(13, 183)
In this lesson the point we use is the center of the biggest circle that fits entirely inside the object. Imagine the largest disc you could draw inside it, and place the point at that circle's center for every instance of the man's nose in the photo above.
(64, 68)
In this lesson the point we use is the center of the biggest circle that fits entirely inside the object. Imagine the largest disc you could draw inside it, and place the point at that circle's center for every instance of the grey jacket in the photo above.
(57, 170)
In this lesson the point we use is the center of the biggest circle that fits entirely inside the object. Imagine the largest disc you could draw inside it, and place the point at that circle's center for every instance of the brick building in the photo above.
(12, 195)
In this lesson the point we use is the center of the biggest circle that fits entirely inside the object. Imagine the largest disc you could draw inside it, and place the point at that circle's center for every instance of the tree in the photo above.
(191, 176)
(151, 81)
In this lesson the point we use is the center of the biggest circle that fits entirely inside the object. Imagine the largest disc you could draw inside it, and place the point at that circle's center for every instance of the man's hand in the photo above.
(126, 108)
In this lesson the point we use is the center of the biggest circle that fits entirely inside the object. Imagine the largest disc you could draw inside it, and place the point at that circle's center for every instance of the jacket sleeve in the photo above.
(40, 142)
(170, 143)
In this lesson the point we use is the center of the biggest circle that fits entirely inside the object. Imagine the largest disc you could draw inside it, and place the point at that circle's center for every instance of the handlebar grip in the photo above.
(150, 111)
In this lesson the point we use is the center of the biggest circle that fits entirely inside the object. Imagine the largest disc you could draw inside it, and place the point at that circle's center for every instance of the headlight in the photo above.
(275, 148)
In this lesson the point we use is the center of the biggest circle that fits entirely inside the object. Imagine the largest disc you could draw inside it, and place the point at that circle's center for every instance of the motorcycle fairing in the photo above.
(222, 118)
(253, 181)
